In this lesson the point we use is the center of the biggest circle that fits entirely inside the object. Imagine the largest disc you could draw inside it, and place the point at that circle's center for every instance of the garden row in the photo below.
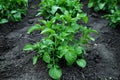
(59, 27)
(12, 10)
(110, 7)
(62, 20)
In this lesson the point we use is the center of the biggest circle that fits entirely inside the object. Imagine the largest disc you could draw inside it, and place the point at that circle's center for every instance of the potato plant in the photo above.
(50, 7)
(105, 5)
(59, 41)
(111, 7)
(12, 10)
(114, 18)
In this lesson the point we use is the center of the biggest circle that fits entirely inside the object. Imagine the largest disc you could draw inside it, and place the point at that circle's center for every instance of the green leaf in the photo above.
(48, 41)
(79, 50)
(43, 21)
(67, 16)
(75, 26)
(61, 54)
(62, 51)
(47, 30)
(64, 34)
(3, 21)
(0, 7)
(46, 57)
(70, 57)
(26, 1)
(17, 16)
(49, 65)
(37, 45)
(101, 5)
(90, 4)
(94, 31)
(39, 13)
(55, 73)
(70, 29)
(81, 15)
(28, 47)
(85, 19)
(14, 11)
(81, 63)
(35, 58)
(91, 38)
(33, 28)
(96, 8)
(54, 9)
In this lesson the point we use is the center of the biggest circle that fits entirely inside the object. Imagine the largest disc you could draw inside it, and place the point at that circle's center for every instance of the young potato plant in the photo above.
(105, 5)
(110, 6)
(114, 18)
(50, 7)
(59, 42)
(12, 10)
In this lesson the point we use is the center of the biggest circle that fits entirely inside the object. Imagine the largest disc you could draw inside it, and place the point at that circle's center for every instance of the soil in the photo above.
(103, 55)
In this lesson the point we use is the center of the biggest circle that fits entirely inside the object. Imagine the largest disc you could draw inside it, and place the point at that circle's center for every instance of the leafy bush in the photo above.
(110, 6)
(12, 10)
(114, 18)
(105, 5)
(50, 7)
(59, 41)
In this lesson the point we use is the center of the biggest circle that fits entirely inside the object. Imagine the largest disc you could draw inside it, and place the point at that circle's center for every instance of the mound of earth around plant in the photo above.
(103, 55)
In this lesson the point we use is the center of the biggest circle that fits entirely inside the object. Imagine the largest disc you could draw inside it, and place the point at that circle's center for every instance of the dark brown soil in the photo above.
(103, 58)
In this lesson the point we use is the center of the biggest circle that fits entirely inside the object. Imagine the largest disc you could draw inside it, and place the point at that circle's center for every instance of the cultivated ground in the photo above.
(103, 55)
